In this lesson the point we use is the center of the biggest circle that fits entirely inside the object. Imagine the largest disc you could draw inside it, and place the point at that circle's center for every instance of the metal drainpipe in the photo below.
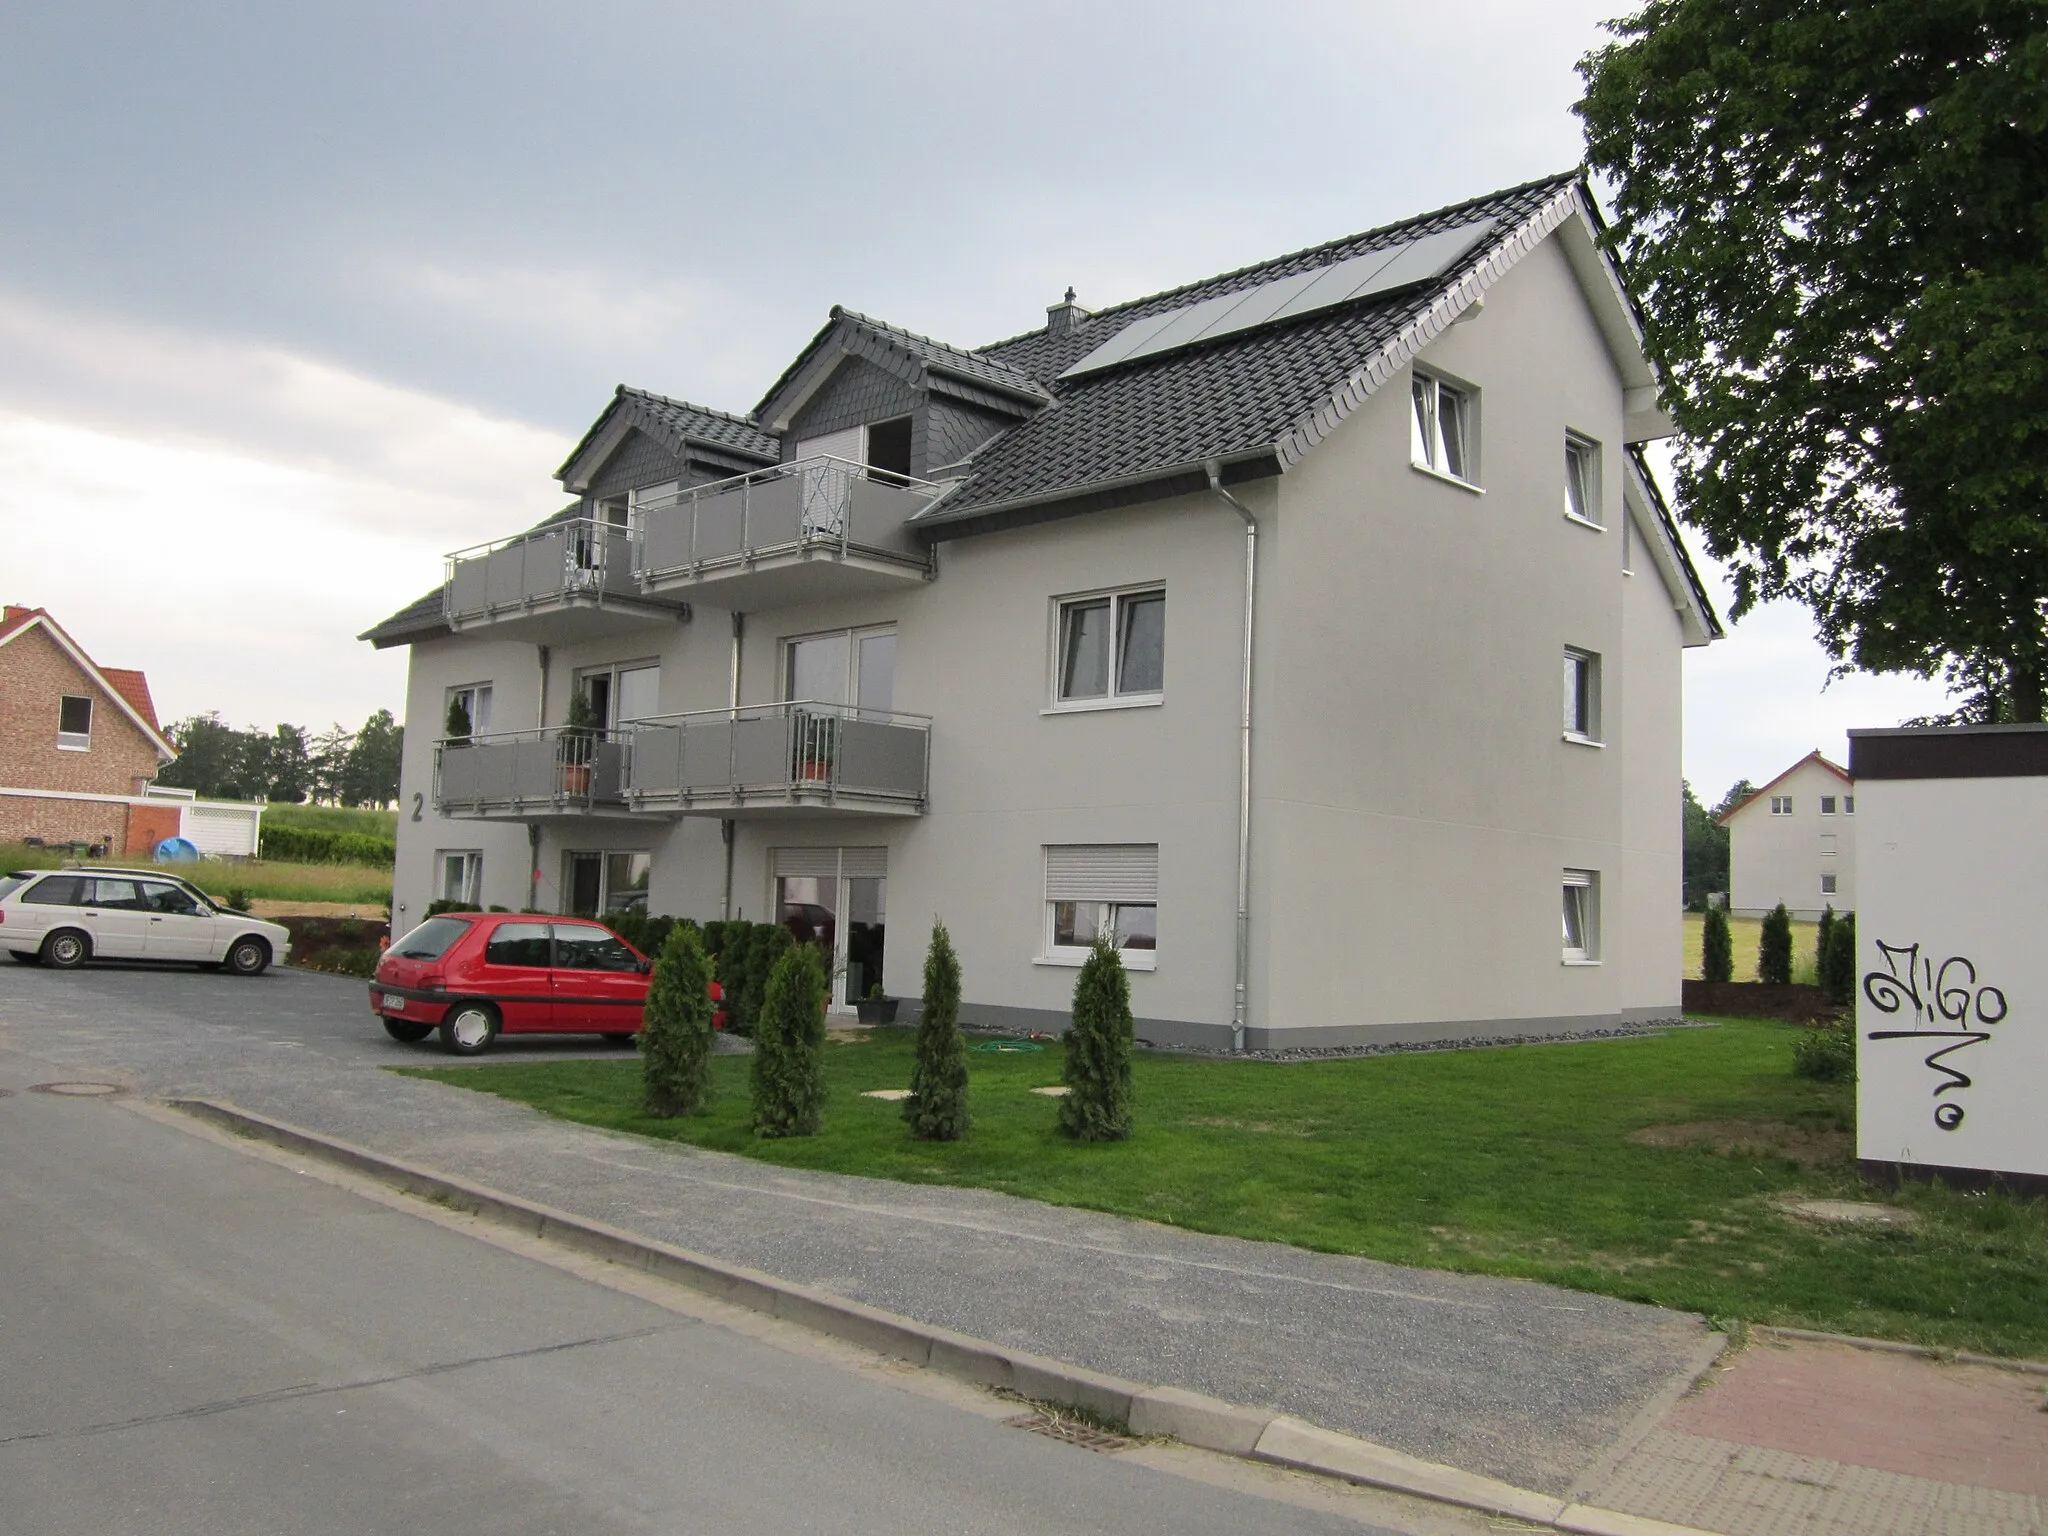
(725, 824)
(540, 721)
(1244, 761)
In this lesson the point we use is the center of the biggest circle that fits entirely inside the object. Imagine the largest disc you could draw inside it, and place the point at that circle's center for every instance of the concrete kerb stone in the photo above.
(1204, 1422)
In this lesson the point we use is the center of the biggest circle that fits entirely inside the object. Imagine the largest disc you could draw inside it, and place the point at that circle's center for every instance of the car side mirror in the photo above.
(645, 967)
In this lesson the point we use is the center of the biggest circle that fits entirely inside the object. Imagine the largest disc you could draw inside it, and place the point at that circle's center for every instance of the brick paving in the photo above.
(1829, 1440)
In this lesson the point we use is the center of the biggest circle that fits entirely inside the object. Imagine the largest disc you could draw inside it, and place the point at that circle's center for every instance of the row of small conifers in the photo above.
(787, 1082)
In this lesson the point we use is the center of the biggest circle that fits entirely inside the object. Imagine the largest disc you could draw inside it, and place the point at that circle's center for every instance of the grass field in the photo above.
(351, 883)
(334, 818)
(1746, 934)
(1653, 1169)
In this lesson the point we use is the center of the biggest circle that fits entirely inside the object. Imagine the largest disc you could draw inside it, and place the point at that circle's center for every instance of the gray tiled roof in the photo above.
(682, 423)
(1233, 396)
(978, 366)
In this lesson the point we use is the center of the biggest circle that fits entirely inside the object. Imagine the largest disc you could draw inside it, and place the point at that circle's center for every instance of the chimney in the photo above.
(1065, 317)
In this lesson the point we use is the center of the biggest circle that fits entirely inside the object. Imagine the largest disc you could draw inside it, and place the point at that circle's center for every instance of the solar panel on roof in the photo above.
(1285, 298)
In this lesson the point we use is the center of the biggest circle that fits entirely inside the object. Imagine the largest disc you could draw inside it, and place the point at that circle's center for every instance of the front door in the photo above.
(517, 976)
(178, 929)
(845, 916)
(598, 983)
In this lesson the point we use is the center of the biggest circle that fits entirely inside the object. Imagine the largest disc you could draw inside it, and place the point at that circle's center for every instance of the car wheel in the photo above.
(469, 1028)
(407, 1031)
(248, 957)
(66, 949)
(24, 957)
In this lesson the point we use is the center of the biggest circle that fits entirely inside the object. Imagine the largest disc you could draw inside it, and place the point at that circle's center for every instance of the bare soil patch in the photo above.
(1809, 1146)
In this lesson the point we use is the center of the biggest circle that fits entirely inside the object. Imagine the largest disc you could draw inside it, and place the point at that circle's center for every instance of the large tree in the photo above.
(1836, 215)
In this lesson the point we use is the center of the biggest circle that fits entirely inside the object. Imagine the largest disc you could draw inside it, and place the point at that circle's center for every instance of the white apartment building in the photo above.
(1312, 631)
(1794, 841)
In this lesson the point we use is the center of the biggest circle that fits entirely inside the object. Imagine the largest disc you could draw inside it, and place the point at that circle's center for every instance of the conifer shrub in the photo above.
(1838, 961)
(937, 1106)
(1774, 952)
(1097, 1106)
(789, 1047)
(1820, 935)
(675, 1044)
(1717, 948)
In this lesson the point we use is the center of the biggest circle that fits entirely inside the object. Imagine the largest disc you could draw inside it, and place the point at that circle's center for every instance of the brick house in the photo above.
(79, 743)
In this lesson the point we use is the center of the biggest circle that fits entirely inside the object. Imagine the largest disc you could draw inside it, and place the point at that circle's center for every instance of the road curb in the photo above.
(1767, 1332)
(1205, 1422)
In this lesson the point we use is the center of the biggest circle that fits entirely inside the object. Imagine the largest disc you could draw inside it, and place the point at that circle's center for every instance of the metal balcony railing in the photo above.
(577, 560)
(809, 506)
(798, 753)
(560, 769)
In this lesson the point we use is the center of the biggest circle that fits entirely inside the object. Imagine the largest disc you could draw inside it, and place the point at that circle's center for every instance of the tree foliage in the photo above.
(1706, 852)
(789, 1048)
(1717, 947)
(219, 762)
(1774, 948)
(937, 1106)
(1097, 1106)
(675, 1043)
(1835, 217)
(1838, 961)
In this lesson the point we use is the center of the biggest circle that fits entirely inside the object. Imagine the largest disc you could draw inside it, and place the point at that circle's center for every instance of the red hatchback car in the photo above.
(472, 975)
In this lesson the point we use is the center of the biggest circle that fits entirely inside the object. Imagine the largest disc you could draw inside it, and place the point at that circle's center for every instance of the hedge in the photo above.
(316, 845)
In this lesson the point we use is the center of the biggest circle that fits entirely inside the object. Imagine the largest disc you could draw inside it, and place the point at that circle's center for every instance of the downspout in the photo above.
(725, 824)
(540, 721)
(1244, 761)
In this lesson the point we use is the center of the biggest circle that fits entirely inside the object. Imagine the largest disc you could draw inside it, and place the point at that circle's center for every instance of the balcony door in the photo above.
(855, 667)
(623, 694)
(837, 899)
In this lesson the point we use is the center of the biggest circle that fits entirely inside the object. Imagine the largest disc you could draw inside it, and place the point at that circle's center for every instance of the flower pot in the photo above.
(575, 778)
(876, 1010)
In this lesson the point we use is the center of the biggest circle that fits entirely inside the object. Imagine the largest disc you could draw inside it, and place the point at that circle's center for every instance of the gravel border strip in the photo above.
(1191, 1417)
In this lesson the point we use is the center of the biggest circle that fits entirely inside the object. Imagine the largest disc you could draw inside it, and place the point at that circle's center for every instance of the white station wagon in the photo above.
(65, 917)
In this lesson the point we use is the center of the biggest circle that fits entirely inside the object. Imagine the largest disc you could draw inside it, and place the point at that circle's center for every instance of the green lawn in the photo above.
(1536, 1161)
(334, 818)
(261, 879)
(1746, 938)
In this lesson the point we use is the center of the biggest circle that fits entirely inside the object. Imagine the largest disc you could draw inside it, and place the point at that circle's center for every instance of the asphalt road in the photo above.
(1517, 1380)
(193, 1339)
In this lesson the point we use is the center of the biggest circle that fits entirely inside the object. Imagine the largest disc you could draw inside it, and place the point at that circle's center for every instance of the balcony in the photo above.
(568, 581)
(771, 759)
(815, 528)
(527, 775)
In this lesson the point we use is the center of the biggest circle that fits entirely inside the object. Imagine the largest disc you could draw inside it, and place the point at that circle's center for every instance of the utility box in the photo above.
(1952, 953)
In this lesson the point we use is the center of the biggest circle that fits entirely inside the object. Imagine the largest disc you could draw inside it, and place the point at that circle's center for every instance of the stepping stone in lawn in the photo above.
(893, 1095)
(1058, 1092)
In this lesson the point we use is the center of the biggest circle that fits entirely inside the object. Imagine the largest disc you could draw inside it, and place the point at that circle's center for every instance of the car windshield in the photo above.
(431, 940)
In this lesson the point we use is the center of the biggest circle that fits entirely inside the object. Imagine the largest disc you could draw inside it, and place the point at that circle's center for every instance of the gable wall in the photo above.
(640, 460)
(34, 674)
(857, 393)
(951, 432)
(1778, 858)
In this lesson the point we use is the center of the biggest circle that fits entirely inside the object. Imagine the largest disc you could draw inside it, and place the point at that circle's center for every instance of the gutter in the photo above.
(1214, 470)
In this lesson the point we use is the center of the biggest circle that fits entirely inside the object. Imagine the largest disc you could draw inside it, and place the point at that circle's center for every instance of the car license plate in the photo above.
(395, 1004)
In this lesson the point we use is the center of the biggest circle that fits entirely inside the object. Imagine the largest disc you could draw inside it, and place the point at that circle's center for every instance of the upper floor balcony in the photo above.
(566, 581)
(770, 759)
(526, 775)
(794, 533)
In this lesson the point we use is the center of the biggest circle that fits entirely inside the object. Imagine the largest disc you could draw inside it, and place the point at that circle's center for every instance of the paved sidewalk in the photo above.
(1833, 1440)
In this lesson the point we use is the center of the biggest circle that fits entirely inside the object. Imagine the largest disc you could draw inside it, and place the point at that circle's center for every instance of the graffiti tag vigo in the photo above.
(1936, 995)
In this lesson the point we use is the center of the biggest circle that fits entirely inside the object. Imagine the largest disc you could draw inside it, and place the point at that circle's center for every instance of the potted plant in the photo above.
(456, 731)
(578, 744)
(817, 742)
(875, 1008)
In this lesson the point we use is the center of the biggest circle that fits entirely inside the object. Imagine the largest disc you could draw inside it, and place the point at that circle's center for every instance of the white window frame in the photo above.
(470, 694)
(1585, 729)
(1827, 805)
(1430, 448)
(1117, 697)
(75, 741)
(1582, 473)
(604, 857)
(1583, 887)
(1848, 805)
(1051, 952)
(786, 648)
(1828, 884)
(610, 672)
(1781, 805)
(472, 890)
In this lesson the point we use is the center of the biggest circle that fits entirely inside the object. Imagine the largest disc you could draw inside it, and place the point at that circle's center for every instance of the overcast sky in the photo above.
(296, 298)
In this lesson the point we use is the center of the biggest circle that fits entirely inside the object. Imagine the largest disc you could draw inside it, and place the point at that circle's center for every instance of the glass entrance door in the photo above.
(811, 906)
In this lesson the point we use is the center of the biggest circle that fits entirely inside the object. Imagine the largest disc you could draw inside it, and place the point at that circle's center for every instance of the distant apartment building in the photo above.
(80, 749)
(1794, 841)
(1311, 633)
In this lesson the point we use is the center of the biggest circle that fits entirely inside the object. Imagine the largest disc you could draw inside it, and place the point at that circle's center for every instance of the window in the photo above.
(1827, 805)
(848, 666)
(1440, 429)
(622, 693)
(1112, 649)
(431, 940)
(1827, 844)
(1582, 480)
(475, 699)
(171, 900)
(1102, 890)
(1827, 885)
(121, 895)
(56, 891)
(591, 949)
(458, 875)
(1581, 696)
(518, 944)
(596, 883)
(74, 723)
(1581, 916)
(1781, 805)
(888, 445)
(1848, 805)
